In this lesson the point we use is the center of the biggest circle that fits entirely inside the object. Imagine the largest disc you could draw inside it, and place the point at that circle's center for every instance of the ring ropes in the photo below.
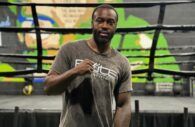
(152, 56)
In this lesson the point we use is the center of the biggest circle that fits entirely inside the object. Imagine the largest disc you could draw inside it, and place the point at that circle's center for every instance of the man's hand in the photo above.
(56, 83)
(86, 66)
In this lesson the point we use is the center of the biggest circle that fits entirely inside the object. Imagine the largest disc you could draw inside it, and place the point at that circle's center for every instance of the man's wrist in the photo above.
(74, 71)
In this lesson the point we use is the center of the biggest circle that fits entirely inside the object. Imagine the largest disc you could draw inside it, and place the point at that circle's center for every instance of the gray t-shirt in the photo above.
(88, 100)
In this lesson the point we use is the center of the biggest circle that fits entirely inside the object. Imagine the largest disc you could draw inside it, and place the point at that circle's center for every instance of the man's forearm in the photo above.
(123, 116)
(58, 84)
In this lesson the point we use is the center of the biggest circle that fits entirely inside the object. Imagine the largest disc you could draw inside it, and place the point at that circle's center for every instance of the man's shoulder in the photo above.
(120, 56)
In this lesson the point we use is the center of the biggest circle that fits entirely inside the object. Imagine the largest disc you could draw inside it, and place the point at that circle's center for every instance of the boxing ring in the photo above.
(149, 111)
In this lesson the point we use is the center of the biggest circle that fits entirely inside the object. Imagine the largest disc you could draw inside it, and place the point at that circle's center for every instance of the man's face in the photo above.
(104, 25)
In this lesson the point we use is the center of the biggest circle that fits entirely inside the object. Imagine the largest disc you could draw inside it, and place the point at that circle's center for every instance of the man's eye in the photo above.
(99, 20)
(111, 22)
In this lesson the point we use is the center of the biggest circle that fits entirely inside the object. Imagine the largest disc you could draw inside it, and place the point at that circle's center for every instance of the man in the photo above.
(90, 73)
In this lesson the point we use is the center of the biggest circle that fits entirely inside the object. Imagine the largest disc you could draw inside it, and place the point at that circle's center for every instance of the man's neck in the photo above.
(98, 48)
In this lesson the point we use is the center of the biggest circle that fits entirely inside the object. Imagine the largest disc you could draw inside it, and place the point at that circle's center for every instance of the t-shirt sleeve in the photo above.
(62, 61)
(125, 83)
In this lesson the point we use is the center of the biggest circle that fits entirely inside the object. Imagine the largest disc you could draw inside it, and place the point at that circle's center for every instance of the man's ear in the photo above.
(92, 23)
(116, 25)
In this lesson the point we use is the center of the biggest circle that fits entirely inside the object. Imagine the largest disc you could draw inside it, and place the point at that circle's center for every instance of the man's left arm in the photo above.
(123, 110)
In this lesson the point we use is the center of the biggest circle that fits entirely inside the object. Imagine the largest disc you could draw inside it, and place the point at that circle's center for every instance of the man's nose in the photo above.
(105, 25)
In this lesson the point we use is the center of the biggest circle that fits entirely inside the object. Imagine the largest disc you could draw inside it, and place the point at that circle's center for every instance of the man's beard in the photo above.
(102, 40)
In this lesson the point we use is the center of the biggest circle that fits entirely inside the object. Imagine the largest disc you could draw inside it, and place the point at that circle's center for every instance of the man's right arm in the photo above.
(57, 83)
